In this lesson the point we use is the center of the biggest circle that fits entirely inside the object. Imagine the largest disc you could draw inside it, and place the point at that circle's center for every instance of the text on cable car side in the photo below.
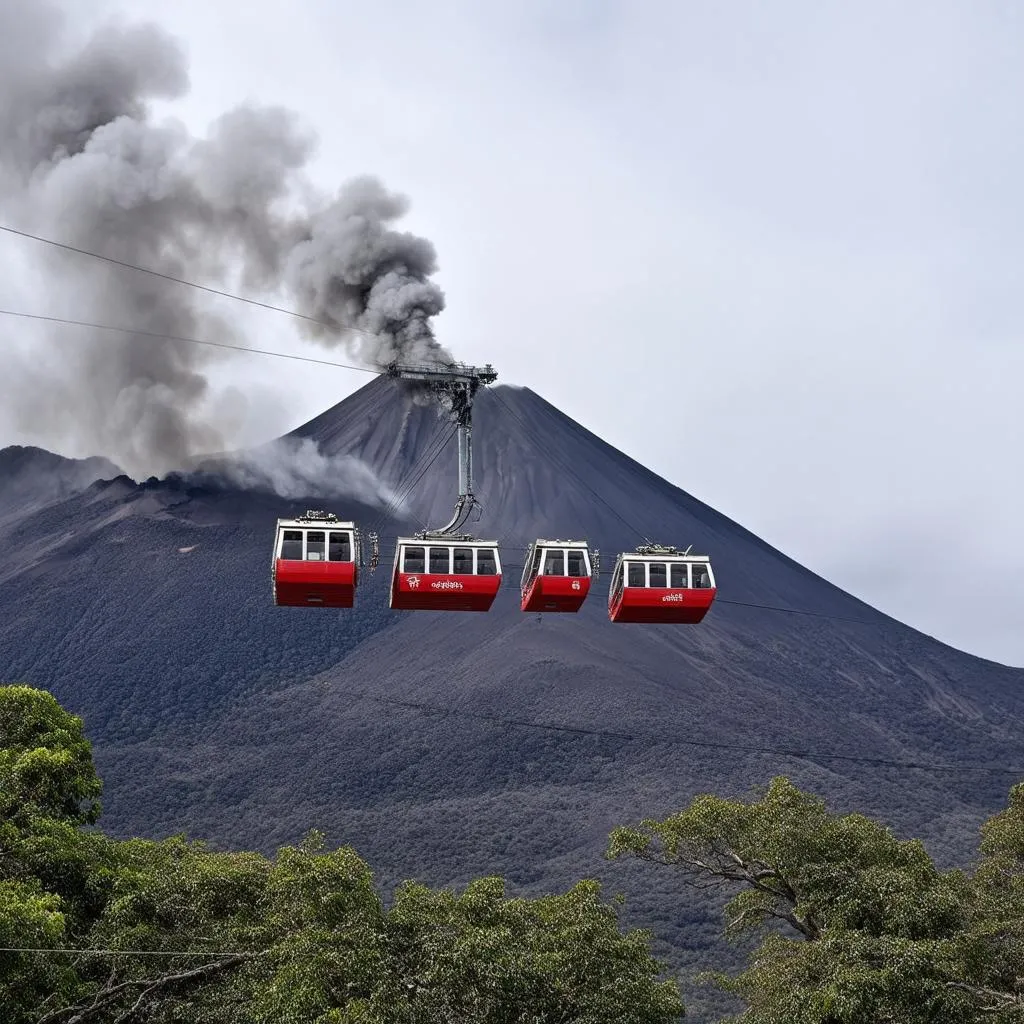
(317, 557)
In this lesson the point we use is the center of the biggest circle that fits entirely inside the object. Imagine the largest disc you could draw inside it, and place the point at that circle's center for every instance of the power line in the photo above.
(181, 280)
(795, 611)
(123, 952)
(176, 337)
(406, 490)
(406, 484)
(552, 456)
(507, 581)
(808, 755)
(510, 581)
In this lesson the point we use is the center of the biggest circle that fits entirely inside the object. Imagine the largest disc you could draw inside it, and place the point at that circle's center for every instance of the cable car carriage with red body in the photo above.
(316, 562)
(557, 575)
(661, 584)
(445, 574)
(441, 570)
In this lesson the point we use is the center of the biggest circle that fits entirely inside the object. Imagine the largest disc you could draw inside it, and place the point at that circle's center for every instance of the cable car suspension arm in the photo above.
(455, 385)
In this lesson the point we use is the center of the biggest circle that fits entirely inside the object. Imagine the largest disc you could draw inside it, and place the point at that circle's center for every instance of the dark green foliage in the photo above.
(851, 924)
(861, 927)
(29, 919)
(992, 951)
(45, 760)
(180, 933)
(481, 956)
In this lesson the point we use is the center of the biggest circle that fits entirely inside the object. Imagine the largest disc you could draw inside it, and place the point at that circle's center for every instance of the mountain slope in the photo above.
(32, 477)
(449, 746)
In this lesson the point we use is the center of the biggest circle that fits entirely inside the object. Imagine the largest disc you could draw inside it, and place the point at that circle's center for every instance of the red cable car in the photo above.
(556, 576)
(316, 561)
(661, 584)
(445, 574)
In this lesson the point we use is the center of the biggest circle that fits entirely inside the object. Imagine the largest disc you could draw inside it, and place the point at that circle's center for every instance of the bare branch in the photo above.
(1001, 1000)
(105, 996)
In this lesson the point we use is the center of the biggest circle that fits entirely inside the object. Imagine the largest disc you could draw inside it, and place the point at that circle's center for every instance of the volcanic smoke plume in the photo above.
(83, 160)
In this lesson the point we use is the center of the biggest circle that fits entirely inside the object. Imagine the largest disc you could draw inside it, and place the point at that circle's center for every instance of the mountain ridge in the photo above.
(442, 745)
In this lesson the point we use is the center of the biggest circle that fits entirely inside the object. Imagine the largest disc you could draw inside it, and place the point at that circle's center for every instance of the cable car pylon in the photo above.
(442, 569)
(455, 385)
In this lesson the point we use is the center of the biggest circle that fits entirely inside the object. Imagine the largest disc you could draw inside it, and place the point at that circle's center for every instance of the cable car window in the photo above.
(486, 562)
(701, 577)
(577, 563)
(413, 560)
(637, 574)
(679, 580)
(617, 580)
(339, 547)
(440, 561)
(532, 567)
(291, 546)
(659, 574)
(554, 563)
(463, 562)
(316, 546)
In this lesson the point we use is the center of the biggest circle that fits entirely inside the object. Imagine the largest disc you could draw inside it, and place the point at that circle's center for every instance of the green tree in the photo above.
(855, 926)
(481, 956)
(46, 766)
(171, 932)
(991, 952)
(30, 919)
(196, 914)
(322, 938)
(49, 878)
(48, 790)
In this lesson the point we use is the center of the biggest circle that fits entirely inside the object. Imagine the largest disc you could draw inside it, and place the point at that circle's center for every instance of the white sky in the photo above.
(772, 251)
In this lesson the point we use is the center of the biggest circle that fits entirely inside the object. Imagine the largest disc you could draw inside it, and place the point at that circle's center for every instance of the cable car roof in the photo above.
(663, 556)
(446, 542)
(561, 544)
(304, 523)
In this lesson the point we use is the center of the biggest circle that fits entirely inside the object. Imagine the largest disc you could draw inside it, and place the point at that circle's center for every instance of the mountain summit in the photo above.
(446, 746)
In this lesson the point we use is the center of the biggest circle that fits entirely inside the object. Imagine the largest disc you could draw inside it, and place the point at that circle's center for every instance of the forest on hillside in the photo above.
(846, 923)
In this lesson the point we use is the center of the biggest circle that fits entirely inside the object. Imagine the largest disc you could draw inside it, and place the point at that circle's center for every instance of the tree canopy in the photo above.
(171, 931)
(855, 926)
(848, 923)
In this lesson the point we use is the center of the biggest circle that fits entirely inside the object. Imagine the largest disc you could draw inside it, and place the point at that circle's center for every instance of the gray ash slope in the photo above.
(31, 478)
(147, 609)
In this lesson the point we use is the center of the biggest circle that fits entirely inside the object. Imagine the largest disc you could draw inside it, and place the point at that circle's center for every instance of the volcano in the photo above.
(446, 746)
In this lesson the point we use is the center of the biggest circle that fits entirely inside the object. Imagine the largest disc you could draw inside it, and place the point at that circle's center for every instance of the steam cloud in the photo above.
(83, 160)
(296, 468)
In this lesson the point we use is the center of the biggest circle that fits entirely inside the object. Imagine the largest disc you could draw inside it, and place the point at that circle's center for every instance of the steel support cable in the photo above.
(403, 484)
(67, 322)
(419, 476)
(430, 455)
(451, 433)
(514, 584)
(348, 366)
(326, 362)
(745, 604)
(184, 281)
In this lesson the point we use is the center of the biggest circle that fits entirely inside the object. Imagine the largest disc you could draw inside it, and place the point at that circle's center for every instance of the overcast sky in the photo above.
(772, 251)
